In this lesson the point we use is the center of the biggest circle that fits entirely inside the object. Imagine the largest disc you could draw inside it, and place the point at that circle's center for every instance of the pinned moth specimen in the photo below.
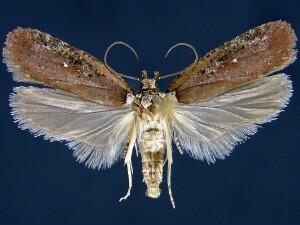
(214, 104)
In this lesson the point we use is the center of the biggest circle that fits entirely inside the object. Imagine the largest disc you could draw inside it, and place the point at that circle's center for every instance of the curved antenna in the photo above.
(181, 71)
(111, 69)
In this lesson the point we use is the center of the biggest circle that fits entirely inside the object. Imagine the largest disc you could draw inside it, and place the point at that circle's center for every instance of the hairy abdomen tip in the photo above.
(153, 192)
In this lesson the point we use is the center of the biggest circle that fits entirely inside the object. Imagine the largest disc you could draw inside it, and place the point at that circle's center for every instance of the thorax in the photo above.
(151, 133)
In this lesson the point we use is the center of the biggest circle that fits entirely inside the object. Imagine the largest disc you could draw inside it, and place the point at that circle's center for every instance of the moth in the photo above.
(214, 104)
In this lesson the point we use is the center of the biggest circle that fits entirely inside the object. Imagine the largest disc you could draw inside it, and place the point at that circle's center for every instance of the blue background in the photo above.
(41, 183)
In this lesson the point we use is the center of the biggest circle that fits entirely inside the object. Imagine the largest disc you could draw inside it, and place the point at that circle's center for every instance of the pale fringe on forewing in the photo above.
(95, 132)
(211, 129)
(8, 55)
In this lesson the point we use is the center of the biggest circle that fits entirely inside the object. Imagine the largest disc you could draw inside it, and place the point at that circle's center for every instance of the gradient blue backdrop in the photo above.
(41, 183)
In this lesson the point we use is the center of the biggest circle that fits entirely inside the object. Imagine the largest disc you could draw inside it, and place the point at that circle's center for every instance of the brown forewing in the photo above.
(256, 53)
(33, 56)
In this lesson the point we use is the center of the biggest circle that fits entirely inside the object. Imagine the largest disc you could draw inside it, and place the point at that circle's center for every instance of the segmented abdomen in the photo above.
(152, 149)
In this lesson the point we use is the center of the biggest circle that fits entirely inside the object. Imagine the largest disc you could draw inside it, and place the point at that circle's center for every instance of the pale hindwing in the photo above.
(210, 129)
(96, 133)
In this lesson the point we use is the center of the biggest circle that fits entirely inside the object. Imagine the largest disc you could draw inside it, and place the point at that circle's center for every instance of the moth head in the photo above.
(149, 83)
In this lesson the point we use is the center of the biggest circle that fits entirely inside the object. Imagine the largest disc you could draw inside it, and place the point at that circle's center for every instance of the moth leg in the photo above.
(170, 160)
(128, 162)
(178, 145)
(136, 149)
(169, 183)
(129, 171)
